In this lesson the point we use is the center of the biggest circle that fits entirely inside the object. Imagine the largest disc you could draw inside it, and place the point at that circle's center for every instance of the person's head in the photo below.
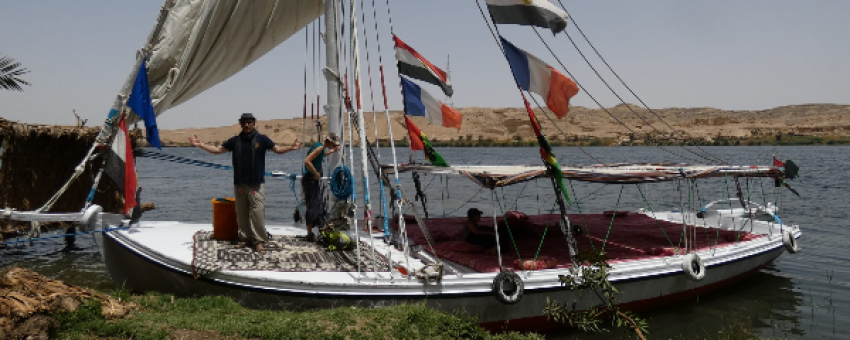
(247, 122)
(474, 214)
(331, 141)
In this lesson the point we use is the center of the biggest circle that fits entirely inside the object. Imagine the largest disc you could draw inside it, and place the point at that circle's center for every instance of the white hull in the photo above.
(157, 257)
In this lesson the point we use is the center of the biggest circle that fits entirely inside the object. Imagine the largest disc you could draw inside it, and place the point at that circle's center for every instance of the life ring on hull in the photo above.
(693, 267)
(508, 287)
(790, 242)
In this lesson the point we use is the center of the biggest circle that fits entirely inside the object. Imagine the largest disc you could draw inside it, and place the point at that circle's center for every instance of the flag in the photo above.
(546, 154)
(418, 141)
(414, 65)
(121, 167)
(140, 103)
(417, 102)
(540, 13)
(533, 75)
(777, 163)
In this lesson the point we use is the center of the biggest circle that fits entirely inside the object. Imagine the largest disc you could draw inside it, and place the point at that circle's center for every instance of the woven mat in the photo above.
(283, 254)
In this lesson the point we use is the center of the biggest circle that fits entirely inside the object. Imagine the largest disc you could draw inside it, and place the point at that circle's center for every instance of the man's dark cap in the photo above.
(246, 116)
(473, 212)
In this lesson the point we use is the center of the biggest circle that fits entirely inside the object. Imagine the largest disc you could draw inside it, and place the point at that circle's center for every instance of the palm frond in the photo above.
(10, 70)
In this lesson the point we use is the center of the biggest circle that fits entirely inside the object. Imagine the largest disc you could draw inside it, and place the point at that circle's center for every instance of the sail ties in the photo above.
(172, 76)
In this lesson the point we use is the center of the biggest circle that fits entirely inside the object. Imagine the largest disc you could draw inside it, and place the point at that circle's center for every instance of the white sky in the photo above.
(753, 54)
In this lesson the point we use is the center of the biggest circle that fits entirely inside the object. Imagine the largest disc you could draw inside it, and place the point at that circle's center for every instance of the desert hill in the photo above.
(511, 124)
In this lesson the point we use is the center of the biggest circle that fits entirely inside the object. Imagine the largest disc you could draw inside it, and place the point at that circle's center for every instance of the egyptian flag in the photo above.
(414, 65)
(546, 154)
(121, 167)
(417, 102)
(140, 103)
(418, 141)
(540, 13)
(533, 75)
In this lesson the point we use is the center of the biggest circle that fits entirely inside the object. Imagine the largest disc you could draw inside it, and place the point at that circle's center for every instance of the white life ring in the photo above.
(89, 220)
(508, 287)
(692, 266)
(790, 242)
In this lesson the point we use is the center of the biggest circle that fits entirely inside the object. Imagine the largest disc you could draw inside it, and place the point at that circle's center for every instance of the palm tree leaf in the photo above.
(10, 70)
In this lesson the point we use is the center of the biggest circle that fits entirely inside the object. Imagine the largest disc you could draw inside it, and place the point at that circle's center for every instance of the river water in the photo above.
(801, 295)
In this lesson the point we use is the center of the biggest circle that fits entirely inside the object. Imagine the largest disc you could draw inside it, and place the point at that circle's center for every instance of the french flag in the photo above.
(534, 75)
(417, 102)
(414, 65)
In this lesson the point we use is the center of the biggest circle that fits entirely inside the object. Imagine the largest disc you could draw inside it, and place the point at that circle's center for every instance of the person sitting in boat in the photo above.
(311, 185)
(479, 235)
(249, 165)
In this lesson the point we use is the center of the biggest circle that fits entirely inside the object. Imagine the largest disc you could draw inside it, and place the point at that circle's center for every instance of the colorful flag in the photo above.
(418, 141)
(540, 13)
(121, 167)
(777, 163)
(534, 75)
(546, 154)
(414, 65)
(417, 102)
(140, 103)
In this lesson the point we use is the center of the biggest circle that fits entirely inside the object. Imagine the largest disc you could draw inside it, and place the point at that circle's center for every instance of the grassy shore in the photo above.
(161, 317)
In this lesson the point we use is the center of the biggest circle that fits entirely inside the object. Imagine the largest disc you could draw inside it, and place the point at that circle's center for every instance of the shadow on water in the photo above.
(765, 301)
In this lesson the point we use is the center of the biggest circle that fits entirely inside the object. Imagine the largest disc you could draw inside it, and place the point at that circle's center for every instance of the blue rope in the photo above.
(64, 235)
(188, 161)
(342, 183)
(384, 209)
(292, 180)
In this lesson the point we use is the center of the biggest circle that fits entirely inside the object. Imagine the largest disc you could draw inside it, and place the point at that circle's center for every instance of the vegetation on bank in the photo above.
(160, 316)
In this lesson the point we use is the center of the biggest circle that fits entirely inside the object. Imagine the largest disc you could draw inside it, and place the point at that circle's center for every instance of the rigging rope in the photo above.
(613, 216)
(306, 66)
(591, 96)
(292, 179)
(589, 64)
(571, 18)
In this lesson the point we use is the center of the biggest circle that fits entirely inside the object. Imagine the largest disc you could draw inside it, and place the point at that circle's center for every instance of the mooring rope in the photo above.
(63, 235)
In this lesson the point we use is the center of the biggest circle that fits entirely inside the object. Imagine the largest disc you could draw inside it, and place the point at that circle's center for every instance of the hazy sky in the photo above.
(729, 54)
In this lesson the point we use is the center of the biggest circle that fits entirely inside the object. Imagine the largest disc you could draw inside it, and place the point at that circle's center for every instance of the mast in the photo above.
(333, 107)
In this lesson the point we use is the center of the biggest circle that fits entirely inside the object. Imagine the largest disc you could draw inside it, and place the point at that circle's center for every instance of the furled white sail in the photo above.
(203, 42)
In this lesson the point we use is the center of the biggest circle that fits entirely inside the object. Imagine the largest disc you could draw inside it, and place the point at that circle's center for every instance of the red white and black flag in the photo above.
(540, 13)
(414, 65)
(121, 166)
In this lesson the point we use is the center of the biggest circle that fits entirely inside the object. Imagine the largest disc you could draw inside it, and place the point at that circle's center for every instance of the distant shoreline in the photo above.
(610, 142)
(809, 124)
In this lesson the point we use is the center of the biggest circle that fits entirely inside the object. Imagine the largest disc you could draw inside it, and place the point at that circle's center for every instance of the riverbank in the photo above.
(810, 124)
(35, 307)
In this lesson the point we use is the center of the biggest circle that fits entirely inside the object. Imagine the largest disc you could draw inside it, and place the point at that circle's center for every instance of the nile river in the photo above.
(802, 295)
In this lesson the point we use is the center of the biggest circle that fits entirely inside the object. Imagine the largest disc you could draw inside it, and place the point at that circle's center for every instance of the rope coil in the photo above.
(342, 183)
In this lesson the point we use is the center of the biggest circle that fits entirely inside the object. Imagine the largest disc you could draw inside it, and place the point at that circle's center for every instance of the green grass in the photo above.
(158, 317)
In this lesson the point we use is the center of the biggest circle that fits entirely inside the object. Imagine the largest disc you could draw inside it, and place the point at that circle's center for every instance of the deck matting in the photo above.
(283, 254)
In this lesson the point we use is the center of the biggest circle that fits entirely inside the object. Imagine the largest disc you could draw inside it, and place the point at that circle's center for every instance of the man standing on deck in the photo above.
(249, 165)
